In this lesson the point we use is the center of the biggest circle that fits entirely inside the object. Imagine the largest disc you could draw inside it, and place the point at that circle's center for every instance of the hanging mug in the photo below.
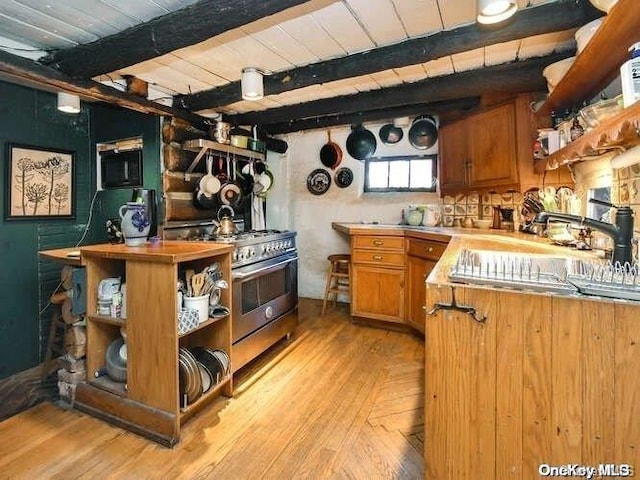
(134, 224)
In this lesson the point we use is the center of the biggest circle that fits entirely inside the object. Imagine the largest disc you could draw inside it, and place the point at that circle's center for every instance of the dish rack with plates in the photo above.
(548, 274)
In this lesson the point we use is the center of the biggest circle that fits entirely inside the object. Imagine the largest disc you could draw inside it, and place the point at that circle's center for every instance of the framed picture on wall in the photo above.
(40, 183)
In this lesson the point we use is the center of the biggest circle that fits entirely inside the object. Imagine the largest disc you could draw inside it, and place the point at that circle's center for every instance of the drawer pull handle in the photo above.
(378, 242)
(377, 257)
(429, 249)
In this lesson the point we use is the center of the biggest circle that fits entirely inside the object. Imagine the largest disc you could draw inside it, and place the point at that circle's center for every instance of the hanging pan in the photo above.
(330, 153)
(423, 132)
(230, 193)
(208, 188)
(361, 143)
(390, 134)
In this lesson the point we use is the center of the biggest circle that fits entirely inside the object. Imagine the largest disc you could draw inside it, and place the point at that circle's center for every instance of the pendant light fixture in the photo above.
(494, 11)
(252, 86)
(68, 102)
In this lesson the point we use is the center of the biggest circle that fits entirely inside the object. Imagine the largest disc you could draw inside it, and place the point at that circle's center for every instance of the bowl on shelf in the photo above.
(604, 5)
(482, 223)
(554, 72)
(594, 114)
(586, 32)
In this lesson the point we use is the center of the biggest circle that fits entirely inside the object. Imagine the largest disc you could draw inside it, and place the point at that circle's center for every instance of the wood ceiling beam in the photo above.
(27, 71)
(538, 20)
(514, 77)
(182, 28)
(431, 108)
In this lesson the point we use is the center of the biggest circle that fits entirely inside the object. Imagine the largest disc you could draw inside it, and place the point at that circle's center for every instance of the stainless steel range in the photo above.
(264, 271)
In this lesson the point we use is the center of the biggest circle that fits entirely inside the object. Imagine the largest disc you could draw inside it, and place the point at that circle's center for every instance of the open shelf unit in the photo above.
(149, 403)
(597, 66)
(599, 63)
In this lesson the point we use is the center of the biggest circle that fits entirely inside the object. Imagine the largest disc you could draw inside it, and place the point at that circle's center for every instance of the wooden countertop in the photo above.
(165, 251)
(471, 238)
(486, 239)
(61, 255)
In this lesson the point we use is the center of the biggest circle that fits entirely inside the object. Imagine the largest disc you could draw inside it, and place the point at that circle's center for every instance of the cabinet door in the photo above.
(453, 157)
(378, 293)
(417, 271)
(493, 147)
(461, 390)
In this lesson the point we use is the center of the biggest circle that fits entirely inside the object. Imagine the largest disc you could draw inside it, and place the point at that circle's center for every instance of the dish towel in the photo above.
(257, 214)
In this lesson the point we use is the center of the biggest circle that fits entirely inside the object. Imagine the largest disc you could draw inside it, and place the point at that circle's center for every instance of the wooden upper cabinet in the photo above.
(453, 156)
(490, 150)
(493, 148)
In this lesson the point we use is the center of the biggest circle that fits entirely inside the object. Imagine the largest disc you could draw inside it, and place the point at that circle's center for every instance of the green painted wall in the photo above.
(30, 117)
(111, 123)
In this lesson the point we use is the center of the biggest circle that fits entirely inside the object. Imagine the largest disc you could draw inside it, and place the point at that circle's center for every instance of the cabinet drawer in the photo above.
(394, 259)
(426, 249)
(381, 242)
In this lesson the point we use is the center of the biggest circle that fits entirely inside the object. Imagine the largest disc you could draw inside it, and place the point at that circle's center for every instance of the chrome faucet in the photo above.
(621, 232)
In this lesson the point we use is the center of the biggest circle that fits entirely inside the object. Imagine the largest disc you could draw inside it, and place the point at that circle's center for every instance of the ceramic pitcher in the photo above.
(134, 223)
(432, 215)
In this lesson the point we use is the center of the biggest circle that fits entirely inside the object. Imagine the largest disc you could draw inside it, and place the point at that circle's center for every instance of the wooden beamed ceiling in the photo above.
(182, 28)
(72, 69)
(511, 78)
(525, 23)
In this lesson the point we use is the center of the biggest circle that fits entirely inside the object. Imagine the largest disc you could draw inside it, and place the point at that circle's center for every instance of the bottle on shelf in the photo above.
(630, 77)
(576, 129)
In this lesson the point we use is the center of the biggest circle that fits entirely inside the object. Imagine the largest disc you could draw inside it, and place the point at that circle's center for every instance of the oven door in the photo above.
(263, 292)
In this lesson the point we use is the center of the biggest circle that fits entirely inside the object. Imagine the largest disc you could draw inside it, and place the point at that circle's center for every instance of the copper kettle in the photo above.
(225, 225)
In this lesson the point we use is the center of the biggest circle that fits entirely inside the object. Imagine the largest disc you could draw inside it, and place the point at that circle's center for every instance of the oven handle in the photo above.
(242, 276)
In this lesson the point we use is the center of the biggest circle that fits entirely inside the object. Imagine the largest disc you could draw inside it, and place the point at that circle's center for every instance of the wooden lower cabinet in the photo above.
(418, 270)
(378, 277)
(149, 403)
(422, 256)
(378, 293)
(544, 380)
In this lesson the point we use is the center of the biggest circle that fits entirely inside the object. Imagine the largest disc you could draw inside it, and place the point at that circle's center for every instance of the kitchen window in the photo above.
(410, 173)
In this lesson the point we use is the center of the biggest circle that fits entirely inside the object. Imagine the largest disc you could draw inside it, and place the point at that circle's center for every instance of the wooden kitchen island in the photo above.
(150, 402)
(545, 379)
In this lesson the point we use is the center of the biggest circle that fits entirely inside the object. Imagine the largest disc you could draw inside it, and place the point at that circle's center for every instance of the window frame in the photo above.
(434, 173)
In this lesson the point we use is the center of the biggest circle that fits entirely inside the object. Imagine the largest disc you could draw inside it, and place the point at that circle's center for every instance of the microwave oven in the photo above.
(121, 169)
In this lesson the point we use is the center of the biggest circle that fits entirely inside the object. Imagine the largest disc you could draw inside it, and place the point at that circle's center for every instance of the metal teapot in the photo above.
(225, 224)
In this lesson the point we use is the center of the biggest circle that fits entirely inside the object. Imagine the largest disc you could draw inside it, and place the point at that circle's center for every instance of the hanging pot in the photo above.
(361, 143)
(390, 134)
(220, 132)
(330, 153)
(423, 132)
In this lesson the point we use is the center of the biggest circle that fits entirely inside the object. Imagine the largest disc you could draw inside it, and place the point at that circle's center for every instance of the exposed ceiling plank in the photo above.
(184, 27)
(21, 68)
(432, 108)
(538, 20)
(516, 77)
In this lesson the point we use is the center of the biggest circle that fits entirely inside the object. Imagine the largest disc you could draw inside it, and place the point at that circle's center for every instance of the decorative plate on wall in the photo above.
(344, 177)
(318, 181)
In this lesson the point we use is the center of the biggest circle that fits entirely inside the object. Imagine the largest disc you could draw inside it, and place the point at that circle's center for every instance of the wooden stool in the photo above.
(57, 331)
(338, 278)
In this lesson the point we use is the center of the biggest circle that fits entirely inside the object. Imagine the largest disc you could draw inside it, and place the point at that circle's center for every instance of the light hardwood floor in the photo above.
(338, 401)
